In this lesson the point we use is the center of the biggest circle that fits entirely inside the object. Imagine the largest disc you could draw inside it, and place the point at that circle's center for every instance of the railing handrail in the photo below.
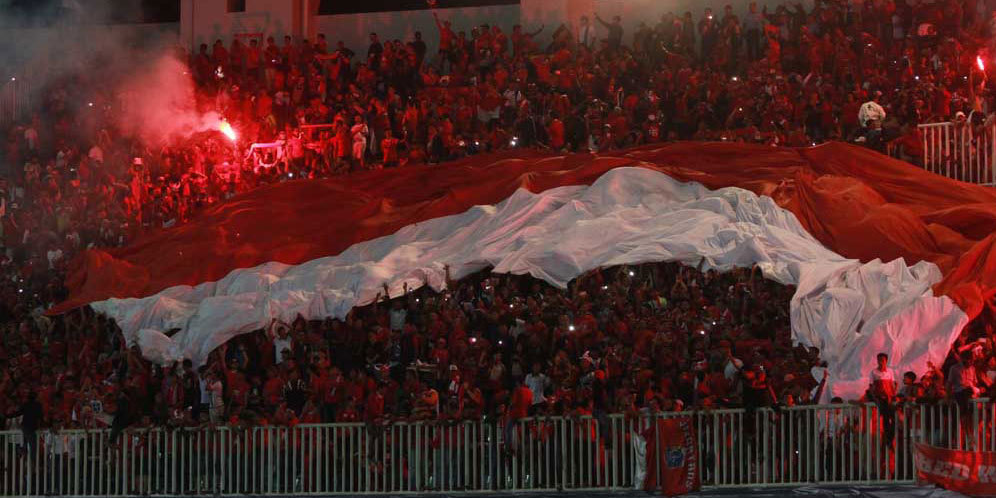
(497, 421)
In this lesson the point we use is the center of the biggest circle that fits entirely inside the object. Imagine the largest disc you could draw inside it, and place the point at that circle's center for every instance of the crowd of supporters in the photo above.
(499, 346)
(503, 346)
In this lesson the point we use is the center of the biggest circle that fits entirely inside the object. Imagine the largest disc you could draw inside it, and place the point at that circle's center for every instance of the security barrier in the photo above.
(960, 150)
(841, 443)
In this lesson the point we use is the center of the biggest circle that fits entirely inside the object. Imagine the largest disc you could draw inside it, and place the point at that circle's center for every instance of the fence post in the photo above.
(991, 137)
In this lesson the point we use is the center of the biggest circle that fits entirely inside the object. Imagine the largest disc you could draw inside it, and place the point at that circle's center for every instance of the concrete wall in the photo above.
(204, 21)
(632, 12)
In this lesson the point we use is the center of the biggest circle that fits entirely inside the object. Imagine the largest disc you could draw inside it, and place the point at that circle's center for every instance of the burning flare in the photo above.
(980, 63)
(226, 128)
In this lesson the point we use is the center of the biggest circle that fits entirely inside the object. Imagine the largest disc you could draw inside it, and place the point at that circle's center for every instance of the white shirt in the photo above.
(215, 390)
(877, 375)
(53, 257)
(832, 422)
(537, 384)
(31, 136)
(359, 132)
(519, 328)
(205, 395)
(281, 344)
(887, 381)
(60, 443)
(733, 366)
(398, 318)
(586, 35)
(512, 97)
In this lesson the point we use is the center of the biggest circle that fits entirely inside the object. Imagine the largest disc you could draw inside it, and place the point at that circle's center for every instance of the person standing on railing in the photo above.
(518, 409)
(961, 381)
(31, 416)
(882, 388)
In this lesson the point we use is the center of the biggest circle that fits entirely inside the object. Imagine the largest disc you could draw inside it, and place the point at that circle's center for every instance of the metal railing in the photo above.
(961, 151)
(844, 443)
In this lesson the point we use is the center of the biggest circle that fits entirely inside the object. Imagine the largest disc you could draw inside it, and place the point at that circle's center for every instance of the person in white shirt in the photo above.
(282, 341)
(53, 255)
(214, 391)
(733, 365)
(882, 389)
(537, 382)
(202, 385)
(398, 316)
(359, 131)
(31, 137)
(586, 33)
(883, 381)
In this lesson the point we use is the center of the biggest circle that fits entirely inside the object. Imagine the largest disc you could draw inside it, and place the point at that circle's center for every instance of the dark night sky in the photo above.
(42, 11)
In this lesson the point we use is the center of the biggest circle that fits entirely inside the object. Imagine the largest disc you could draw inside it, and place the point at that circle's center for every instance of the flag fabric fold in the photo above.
(884, 256)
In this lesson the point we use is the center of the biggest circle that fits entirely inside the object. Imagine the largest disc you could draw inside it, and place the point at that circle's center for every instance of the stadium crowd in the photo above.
(658, 337)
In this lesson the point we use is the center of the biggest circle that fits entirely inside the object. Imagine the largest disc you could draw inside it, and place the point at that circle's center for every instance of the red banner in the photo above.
(671, 457)
(969, 472)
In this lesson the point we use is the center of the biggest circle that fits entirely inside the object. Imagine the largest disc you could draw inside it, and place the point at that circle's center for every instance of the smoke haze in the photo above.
(158, 104)
(133, 69)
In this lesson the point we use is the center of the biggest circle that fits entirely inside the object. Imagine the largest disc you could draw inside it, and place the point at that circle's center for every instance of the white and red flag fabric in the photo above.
(971, 473)
(884, 257)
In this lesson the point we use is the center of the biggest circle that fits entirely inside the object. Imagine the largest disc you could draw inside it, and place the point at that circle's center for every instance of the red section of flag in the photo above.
(672, 461)
(856, 202)
(968, 472)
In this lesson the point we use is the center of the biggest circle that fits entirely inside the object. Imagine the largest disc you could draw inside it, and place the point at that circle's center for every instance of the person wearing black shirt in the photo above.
(191, 389)
(122, 417)
(437, 150)
(709, 31)
(31, 416)
(420, 49)
(343, 51)
(295, 392)
(758, 392)
(528, 130)
(614, 38)
(814, 119)
(374, 52)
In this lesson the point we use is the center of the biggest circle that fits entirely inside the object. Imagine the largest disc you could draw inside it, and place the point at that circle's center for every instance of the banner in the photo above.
(969, 472)
(671, 457)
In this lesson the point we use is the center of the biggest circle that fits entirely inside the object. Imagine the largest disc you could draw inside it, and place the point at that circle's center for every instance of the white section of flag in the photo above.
(851, 311)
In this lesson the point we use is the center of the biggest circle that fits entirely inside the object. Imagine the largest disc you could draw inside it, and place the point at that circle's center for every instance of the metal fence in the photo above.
(960, 150)
(845, 443)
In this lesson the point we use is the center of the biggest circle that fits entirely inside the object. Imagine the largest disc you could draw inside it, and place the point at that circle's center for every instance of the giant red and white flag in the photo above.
(884, 256)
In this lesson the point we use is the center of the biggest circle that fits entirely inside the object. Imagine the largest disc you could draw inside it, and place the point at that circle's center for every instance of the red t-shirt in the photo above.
(375, 406)
(522, 399)
(390, 147)
(556, 134)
